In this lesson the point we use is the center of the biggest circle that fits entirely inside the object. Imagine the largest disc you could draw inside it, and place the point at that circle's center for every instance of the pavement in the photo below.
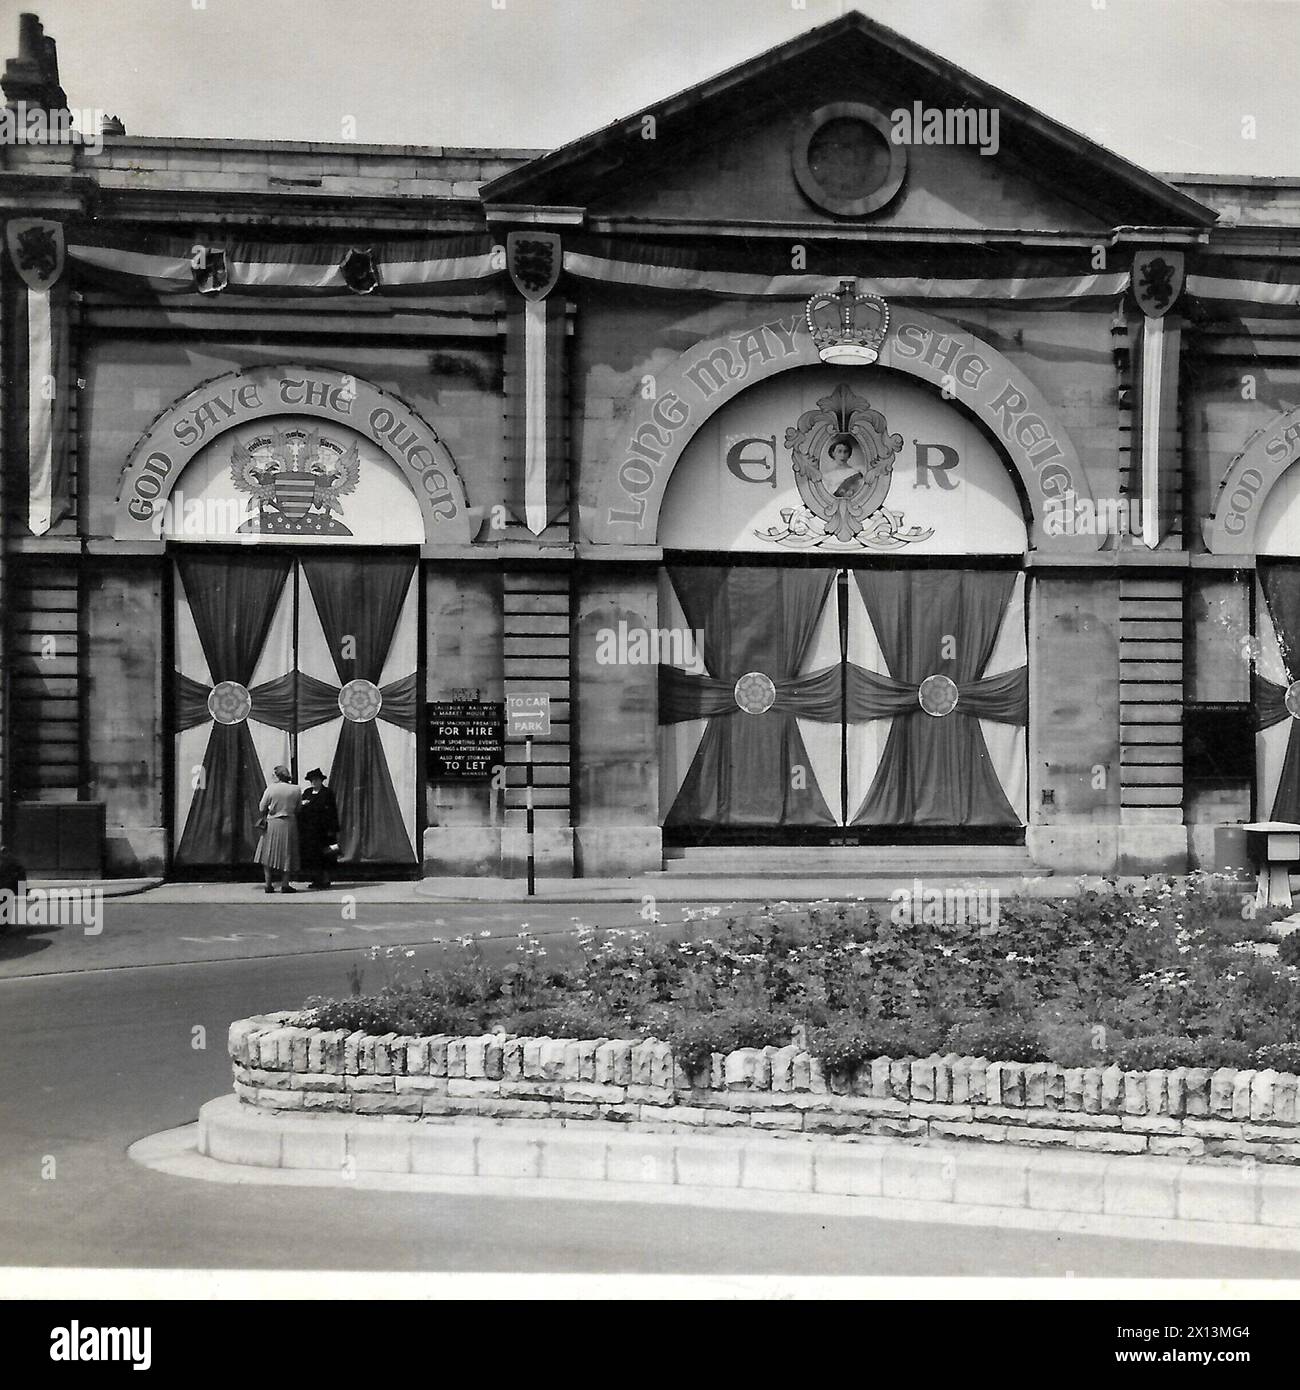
(1232, 1204)
(380, 938)
(668, 887)
(662, 887)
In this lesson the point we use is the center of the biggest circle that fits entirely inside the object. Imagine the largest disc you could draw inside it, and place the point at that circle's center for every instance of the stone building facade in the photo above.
(855, 456)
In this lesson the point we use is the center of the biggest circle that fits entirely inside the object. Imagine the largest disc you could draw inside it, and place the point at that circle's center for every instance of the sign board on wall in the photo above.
(466, 739)
(842, 461)
(528, 715)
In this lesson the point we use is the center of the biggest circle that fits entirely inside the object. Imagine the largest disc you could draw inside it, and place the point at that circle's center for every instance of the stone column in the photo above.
(1074, 765)
(617, 826)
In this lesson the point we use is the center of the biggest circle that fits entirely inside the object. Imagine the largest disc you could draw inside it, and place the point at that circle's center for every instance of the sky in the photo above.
(1167, 83)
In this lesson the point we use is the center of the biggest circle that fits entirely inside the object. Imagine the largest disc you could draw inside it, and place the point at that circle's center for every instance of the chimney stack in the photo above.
(33, 76)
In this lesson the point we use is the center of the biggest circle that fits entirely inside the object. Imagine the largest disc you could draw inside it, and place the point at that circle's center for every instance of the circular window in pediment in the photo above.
(845, 161)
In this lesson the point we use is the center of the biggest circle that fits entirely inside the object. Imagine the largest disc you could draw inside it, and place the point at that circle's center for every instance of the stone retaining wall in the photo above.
(1187, 1111)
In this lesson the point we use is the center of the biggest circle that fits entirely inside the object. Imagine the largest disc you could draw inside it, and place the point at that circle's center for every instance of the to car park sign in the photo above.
(528, 716)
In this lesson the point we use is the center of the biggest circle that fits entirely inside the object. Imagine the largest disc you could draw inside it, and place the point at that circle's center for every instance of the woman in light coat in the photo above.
(277, 850)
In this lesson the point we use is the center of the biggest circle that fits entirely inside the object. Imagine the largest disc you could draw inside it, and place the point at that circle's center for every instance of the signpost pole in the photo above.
(527, 715)
(528, 784)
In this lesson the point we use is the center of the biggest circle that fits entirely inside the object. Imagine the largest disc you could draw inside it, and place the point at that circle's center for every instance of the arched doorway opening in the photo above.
(295, 598)
(844, 569)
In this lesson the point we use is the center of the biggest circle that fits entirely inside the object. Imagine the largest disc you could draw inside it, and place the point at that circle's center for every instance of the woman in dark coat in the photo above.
(318, 829)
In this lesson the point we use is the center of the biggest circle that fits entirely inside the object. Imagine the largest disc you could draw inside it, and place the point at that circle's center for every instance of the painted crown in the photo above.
(848, 329)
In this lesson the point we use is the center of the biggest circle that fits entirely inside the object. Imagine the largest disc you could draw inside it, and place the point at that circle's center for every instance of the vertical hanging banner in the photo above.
(535, 381)
(1157, 283)
(40, 350)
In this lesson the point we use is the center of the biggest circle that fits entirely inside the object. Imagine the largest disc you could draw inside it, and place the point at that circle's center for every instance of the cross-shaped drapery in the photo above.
(937, 630)
(751, 767)
(359, 603)
(232, 600)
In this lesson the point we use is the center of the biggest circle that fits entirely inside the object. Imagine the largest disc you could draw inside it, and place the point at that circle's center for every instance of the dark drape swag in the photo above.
(233, 600)
(1282, 595)
(936, 769)
(750, 769)
(361, 600)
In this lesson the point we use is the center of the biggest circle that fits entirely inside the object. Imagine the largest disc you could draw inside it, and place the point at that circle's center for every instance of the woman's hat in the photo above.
(314, 775)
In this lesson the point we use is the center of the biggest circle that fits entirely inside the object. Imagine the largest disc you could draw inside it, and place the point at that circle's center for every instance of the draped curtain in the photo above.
(936, 769)
(233, 601)
(751, 766)
(359, 602)
(1281, 589)
(750, 769)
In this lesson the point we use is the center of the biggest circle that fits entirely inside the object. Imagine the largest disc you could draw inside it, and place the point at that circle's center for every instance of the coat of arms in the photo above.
(535, 260)
(36, 249)
(360, 274)
(1157, 281)
(297, 479)
(843, 458)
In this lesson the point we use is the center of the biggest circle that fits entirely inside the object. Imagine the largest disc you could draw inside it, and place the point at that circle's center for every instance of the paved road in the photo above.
(136, 931)
(99, 1058)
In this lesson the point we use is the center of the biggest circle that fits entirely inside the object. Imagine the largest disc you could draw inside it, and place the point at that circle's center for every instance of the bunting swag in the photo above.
(652, 274)
(936, 769)
(751, 767)
(359, 603)
(232, 600)
(1277, 701)
(168, 265)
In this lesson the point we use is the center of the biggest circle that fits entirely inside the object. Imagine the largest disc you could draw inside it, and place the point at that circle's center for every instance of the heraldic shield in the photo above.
(535, 260)
(36, 248)
(1157, 281)
(306, 662)
(298, 479)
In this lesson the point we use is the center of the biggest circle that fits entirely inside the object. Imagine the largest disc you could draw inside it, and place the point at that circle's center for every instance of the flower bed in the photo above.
(1174, 974)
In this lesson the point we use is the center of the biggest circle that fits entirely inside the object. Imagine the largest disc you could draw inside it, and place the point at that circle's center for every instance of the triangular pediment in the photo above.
(786, 138)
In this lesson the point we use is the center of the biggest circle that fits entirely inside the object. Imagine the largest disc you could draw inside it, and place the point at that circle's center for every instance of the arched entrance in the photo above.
(298, 658)
(294, 542)
(844, 572)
